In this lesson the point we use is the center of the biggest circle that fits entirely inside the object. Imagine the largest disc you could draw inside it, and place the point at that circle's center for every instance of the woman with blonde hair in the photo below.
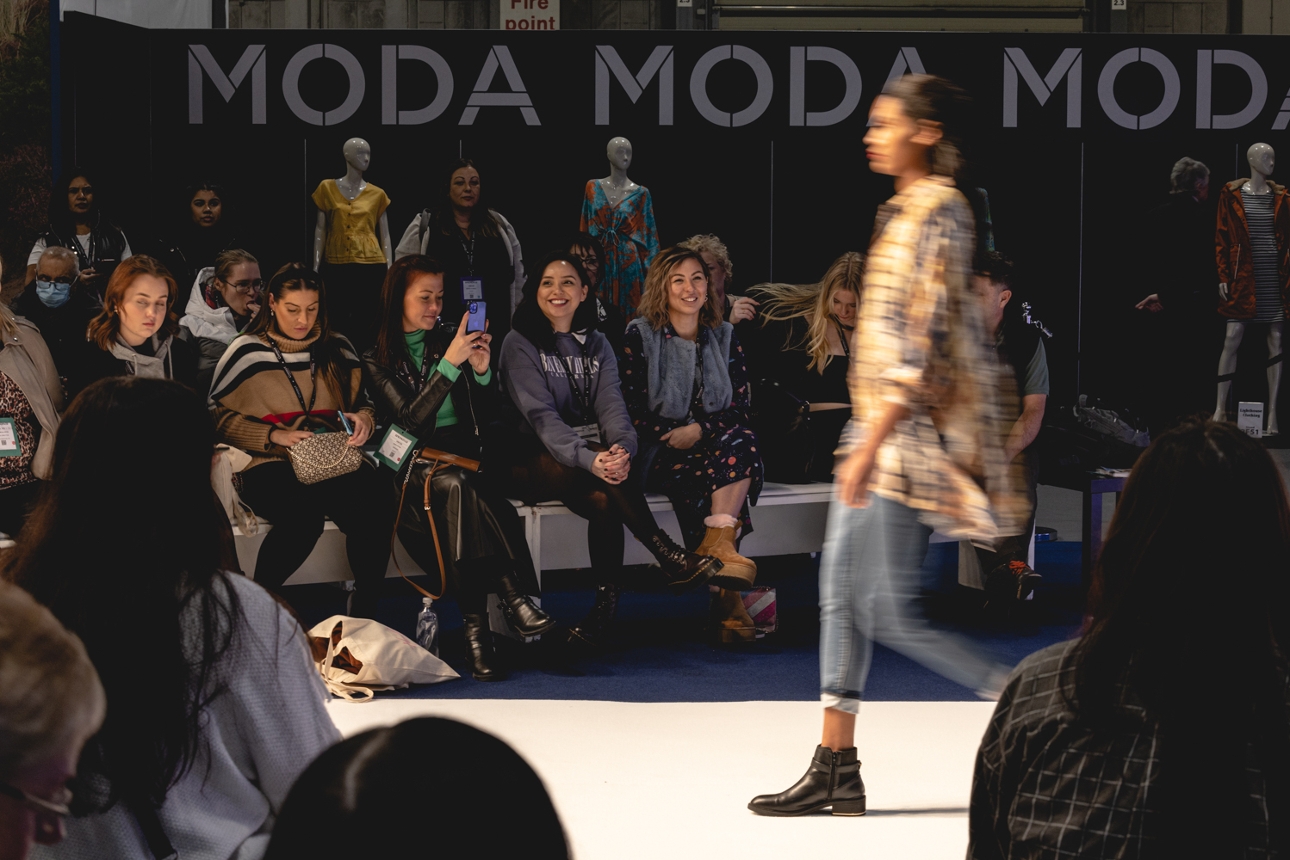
(807, 331)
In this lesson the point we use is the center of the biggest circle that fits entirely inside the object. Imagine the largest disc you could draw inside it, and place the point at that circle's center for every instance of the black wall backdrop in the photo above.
(756, 137)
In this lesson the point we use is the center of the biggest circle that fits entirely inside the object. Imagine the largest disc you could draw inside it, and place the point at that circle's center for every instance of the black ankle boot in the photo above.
(524, 617)
(479, 648)
(594, 628)
(833, 780)
(681, 570)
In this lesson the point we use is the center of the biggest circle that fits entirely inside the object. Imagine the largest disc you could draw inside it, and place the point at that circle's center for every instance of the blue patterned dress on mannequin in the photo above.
(630, 240)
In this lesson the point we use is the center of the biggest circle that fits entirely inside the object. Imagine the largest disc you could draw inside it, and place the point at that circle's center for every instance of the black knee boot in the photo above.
(521, 613)
(832, 781)
(479, 648)
(594, 628)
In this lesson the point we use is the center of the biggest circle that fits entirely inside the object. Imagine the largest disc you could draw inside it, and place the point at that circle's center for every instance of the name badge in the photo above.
(472, 289)
(588, 432)
(396, 447)
(9, 445)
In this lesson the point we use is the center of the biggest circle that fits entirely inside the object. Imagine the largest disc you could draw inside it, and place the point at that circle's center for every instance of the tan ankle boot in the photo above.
(737, 572)
(730, 619)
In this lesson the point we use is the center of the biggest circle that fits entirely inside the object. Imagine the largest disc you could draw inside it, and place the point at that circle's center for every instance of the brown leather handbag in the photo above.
(437, 460)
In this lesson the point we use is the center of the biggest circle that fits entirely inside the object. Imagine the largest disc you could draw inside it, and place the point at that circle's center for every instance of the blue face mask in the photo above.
(53, 294)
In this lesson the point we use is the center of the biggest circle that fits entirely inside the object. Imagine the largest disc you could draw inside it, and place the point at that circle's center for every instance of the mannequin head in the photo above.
(358, 154)
(1262, 159)
(717, 257)
(619, 153)
(205, 204)
(1190, 176)
(136, 304)
(916, 129)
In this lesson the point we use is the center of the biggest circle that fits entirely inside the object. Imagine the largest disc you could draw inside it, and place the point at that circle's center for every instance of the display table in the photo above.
(1093, 486)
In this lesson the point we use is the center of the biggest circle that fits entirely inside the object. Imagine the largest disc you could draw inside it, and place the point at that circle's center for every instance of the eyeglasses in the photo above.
(247, 288)
(61, 279)
(49, 814)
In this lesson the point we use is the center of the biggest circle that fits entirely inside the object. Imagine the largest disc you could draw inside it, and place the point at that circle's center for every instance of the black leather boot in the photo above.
(524, 617)
(594, 628)
(833, 780)
(479, 648)
(682, 570)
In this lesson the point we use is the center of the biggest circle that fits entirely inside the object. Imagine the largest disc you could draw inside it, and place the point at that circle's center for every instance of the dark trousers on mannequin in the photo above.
(354, 300)
(358, 503)
(537, 476)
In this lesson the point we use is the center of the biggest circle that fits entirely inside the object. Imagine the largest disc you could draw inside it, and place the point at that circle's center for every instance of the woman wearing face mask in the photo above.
(804, 349)
(281, 381)
(432, 379)
(56, 302)
(224, 298)
(134, 334)
(31, 398)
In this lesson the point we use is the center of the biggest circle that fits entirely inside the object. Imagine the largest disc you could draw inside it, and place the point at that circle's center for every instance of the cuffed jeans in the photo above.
(869, 577)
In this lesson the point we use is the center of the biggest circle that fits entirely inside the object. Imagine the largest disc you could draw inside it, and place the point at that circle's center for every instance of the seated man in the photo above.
(1021, 345)
(59, 306)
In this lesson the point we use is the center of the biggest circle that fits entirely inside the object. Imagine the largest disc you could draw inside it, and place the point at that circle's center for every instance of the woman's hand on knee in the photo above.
(612, 466)
(683, 437)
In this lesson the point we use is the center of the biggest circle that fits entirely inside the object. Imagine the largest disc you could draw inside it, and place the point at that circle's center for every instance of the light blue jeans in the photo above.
(869, 577)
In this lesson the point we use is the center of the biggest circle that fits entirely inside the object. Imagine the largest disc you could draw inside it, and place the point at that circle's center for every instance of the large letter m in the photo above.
(200, 60)
(1069, 65)
(659, 63)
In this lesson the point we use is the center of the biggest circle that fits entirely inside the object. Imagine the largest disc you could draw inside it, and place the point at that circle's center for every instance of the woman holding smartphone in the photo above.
(287, 377)
(576, 439)
(432, 380)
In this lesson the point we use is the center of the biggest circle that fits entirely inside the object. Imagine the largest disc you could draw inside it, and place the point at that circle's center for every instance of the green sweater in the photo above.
(416, 342)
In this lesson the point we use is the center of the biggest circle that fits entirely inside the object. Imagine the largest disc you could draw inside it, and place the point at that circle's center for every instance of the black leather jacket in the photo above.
(397, 399)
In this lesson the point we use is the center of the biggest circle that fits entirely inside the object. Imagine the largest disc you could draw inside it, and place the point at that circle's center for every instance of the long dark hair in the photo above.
(60, 217)
(390, 344)
(528, 318)
(354, 798)
(1190, 606)
(481, 221)
(121, 558)
(328, 348)
(934, 99)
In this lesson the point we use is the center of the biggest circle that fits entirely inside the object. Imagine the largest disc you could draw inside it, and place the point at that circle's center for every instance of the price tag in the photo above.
(1249, 418)
(396, 447)
(9, 445)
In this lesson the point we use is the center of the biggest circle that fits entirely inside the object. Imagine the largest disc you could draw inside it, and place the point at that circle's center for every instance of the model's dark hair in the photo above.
(328, 349)
(106, 326)
(355, 799)
(60, 217)
(1190, 609)
(934, 99)
(480, 218)
(528, 318)
(390, 343)
(123, 558)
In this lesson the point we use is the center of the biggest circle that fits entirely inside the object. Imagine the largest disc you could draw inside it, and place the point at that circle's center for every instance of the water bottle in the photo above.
(428, 627)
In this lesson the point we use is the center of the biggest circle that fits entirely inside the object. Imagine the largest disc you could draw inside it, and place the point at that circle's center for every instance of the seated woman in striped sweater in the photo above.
(280, 382)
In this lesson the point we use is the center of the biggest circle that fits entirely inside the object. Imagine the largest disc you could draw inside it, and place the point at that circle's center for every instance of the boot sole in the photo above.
(704, 574)
(735, 578)
(847, 808)
(550, 625)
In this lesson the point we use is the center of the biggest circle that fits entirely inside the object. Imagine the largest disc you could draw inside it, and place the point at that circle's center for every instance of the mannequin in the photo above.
(621, 214)
(1253, 255)
(347, 252)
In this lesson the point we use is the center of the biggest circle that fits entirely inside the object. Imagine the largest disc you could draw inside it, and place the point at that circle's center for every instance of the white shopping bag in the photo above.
(357, 656)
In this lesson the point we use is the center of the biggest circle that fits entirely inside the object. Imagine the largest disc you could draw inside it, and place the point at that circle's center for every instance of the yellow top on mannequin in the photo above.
(351, 224)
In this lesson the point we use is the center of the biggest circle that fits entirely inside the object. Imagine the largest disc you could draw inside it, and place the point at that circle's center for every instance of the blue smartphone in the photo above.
(476, 320)
(344, 422)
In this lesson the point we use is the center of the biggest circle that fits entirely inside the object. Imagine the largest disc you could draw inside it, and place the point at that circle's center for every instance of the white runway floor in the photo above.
(672, 780)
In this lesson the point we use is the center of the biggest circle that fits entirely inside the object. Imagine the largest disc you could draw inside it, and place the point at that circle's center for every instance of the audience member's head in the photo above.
(993, 281)
(205, 204)
(136, 305)
(371, 793)
(56, 273)
(1190, 176)
(126, 543)
(411, 300)
(1190, 607)
(236, 283)
(556, 298)
(51, 705)
(834, 301)
(677, 275)
(717, 257)
(591, 252)
(74, 200)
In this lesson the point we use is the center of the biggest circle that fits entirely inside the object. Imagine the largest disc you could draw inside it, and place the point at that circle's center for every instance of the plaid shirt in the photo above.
(1046, 788)
(920, 342)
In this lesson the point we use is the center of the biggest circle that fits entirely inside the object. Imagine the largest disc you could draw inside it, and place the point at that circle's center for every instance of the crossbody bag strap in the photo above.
(437, 460)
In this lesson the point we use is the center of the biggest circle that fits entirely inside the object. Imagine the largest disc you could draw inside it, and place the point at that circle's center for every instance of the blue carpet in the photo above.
(660, 652)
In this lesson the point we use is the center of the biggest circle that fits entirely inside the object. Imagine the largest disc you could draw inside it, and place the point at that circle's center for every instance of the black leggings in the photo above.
(606, 507)
(358, 503)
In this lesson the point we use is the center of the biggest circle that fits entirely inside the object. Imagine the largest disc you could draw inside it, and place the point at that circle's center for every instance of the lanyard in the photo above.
(86, 259)
(842, 336)
(697, 389)
(469, 250)
(418, 377)
(580, 398)
(313, 379)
